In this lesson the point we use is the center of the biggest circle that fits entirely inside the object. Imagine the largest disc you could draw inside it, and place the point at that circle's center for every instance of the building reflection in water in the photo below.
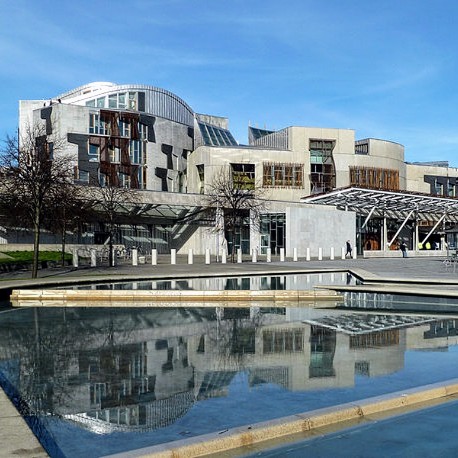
(142, 369)
(279, 282)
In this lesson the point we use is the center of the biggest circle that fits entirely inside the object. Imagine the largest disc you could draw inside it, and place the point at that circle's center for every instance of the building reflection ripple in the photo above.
(121, 370)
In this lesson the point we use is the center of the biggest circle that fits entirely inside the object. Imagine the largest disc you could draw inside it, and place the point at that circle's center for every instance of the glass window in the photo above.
(83, 176)
(115, 154)
(284, 175)
(93, 150)
(122, 100)
(124, 180)
(132, 101)
(93, 123)
(113, 101)
(201, 172)
(243, 175)
(101, 102)
(134, 153)
(438, 188)
(142, 131)
(102, 179)
(124, 128)
(90, 103)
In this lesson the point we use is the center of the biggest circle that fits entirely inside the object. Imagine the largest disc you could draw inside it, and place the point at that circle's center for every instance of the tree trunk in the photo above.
(110, 248)
(36, 246)
(64, 239)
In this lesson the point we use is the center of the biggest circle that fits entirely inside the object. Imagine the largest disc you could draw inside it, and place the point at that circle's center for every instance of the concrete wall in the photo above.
(318, 226)
(214, 158)
(382, 154)
(416, 176)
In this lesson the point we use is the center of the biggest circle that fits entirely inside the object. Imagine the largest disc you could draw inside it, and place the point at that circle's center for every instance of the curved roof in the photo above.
(158, 102)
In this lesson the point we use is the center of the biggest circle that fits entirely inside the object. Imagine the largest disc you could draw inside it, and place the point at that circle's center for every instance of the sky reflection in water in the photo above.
(100, 381)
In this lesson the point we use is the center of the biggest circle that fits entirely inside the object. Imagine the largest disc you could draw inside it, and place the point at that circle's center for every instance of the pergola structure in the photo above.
(395, 205)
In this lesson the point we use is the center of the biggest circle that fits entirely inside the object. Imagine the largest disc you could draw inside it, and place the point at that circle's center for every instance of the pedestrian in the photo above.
(403, 248)
(349, 249)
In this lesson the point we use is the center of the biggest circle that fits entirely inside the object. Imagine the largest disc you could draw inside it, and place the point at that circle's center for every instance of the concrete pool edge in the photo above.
(238, 437)
(62, 298)
(16, 437)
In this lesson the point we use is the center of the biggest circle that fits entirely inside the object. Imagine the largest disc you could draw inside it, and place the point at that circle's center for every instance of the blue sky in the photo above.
(386, 69)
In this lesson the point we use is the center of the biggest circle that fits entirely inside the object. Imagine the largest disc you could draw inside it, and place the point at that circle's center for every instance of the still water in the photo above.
(253, 283)
(93, 382)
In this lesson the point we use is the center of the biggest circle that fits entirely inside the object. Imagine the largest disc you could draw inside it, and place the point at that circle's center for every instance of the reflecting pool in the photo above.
(254, 283)
(93, 381)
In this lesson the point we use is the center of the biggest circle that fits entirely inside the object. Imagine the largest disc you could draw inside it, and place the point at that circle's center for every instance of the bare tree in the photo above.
(237, 196)
(111, 202)
(68, 207)
(34, 166)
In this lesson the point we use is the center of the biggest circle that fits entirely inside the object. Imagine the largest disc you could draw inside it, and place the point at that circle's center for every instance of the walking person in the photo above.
(403, 248)
(349, 249)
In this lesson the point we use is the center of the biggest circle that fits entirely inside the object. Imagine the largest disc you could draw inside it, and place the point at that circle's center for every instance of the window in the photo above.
(322, 177)
(90, 103)
(124, 128)
(362, 147)
(201, 172)
(114, 154)
(142, 131)
(283, 175)
(132, 101)
(438, 188)
(122, 100)
(113, 101)
(124, 180)
(96, 125)
(374, 178)
(101, 102)
(102, 179)
(243, 176)
(83, 175)
(451, 189)
(135, 151)
(93, 152)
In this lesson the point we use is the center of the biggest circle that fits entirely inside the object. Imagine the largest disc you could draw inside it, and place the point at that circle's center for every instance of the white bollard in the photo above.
(282, 254)
(269, 255)
(307, 256)
(239, 255)
(331, 256)
(354, 253)
(75, 257)
(207, 256)
(190, 256)
(343, 253)
(154, 257)
(295, 254)
(173, 256)
(223, 256)
(113, 257)
(93, 258)
(134, 257)
(320, 254)
(254, 255)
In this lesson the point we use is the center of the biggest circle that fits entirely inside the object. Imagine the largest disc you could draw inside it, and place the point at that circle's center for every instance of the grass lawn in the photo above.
(26, 257)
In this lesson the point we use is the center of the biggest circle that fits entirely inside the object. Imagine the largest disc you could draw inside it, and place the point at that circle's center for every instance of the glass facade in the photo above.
(273, 232)
(322, 168)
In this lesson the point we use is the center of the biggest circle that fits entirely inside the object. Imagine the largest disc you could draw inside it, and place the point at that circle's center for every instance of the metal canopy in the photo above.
(390, 204)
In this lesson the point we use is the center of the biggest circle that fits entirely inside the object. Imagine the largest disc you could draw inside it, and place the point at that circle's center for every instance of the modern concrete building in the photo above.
(150, 140)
